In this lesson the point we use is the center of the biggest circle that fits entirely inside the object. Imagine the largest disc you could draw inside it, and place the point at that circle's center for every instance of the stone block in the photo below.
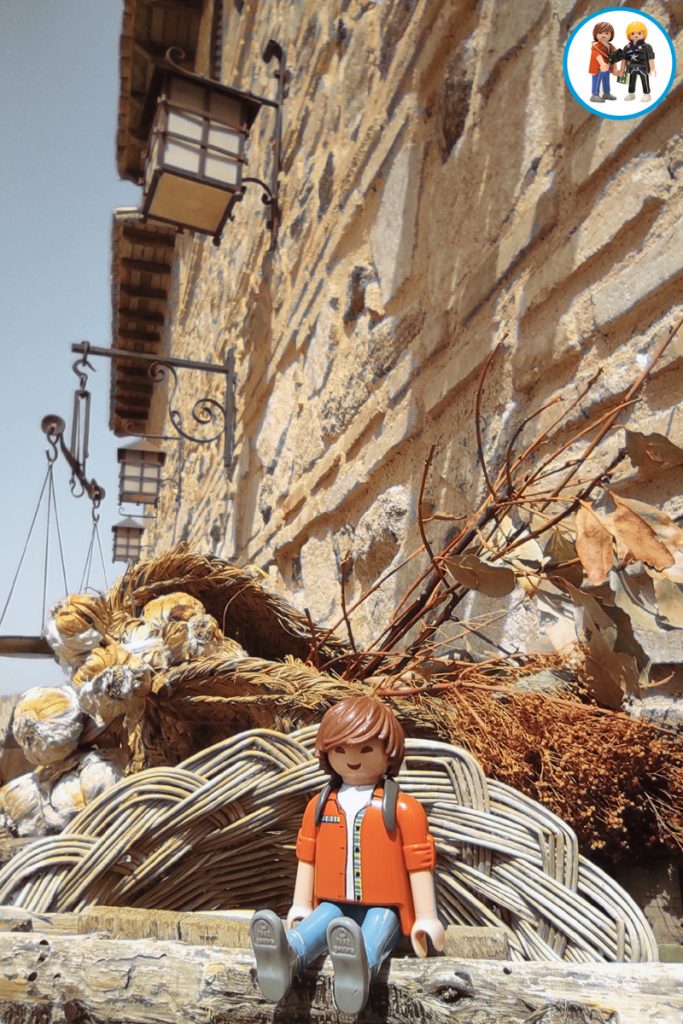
(380, 532)
(392, 237)
(659, 261)
(504, 31)
(320, 574)
(276, 418)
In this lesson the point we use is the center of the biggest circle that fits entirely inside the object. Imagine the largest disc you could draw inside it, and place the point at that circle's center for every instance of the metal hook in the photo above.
(77, 367)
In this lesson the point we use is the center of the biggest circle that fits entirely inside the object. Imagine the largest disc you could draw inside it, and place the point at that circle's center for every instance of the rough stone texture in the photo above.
(440, 189)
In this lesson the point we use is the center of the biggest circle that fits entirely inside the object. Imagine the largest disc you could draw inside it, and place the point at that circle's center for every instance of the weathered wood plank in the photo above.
(49, 977)
(228, 928)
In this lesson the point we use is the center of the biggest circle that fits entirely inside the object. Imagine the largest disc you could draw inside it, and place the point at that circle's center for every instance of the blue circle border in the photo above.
(591, 108)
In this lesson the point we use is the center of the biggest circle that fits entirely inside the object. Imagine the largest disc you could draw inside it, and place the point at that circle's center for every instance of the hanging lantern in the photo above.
(127, 540)
(140, 475)
(195, 150)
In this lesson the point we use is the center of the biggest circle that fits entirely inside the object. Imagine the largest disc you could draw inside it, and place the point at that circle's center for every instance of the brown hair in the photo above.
(602, 26)
(357, 720)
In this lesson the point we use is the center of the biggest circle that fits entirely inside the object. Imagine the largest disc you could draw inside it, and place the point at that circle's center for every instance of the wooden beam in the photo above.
(135, 292)
(142, 314)
(150, 339)
(138, 236)
(178, 5)
(145, 266)
(44, 976)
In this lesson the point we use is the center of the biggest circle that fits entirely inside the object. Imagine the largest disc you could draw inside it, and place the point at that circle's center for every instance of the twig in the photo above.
(477, 418)
(344, 570)
(313, 650)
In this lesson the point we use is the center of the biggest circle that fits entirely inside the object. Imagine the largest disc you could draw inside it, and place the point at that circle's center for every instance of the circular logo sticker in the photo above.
(619, 63)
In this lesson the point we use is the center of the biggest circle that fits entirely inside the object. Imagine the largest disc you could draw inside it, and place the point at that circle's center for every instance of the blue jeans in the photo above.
(381, 929)
(602, 77)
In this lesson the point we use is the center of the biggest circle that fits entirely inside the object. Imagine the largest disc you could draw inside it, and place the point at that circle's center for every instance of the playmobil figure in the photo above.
(366, 859)
(638, 60)
(599, 66)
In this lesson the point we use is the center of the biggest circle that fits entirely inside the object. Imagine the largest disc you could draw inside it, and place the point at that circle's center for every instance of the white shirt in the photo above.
(352, 799)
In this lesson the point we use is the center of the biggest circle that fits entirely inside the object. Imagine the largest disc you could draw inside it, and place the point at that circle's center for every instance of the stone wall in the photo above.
(441, 192)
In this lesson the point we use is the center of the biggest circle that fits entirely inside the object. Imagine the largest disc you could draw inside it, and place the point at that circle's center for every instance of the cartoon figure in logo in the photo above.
(599, 66)
(638, 59)
(366, 858)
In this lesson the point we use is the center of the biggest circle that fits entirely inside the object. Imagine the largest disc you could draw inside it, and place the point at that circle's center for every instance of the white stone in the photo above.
(392, 237)
(320, 575)
(276, 418)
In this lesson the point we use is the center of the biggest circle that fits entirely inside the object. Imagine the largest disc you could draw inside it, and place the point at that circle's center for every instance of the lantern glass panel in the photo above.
(182, 156)
(139, 483)
(127, 544)
(185, 125)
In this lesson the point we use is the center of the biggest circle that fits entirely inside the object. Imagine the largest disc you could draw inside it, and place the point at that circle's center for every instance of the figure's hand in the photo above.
(427, 926)
(297, 912)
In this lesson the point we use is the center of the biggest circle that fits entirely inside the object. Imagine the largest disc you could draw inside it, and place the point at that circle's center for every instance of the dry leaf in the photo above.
(471, 572)
(635, 536)
(635, 597)
(652, 453)
(560, 550)
(590, 616)
(662, 525)
(611, 675)
(670, 602)
(593, 544)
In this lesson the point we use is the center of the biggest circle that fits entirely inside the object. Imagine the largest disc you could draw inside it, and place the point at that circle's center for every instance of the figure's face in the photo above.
(604, 37)
(359, 764)
(636, 36)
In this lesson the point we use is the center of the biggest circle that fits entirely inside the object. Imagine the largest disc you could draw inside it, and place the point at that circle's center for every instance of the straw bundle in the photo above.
(219, 831)
(239, 599)
(111, 682)
(77, 625)
(45, 801)
(47, 724)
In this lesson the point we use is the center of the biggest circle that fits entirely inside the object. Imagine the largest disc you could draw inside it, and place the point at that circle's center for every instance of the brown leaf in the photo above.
(636, 536)
(635, 597)
(611, 675)
(593, 544)
(670, 602)
(562, 557)
(662, 525)
(589, 615)
(471, 572)
(652, 453)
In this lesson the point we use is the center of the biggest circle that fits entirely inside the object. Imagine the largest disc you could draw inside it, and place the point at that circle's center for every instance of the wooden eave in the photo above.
(142, 258)
(149, 29)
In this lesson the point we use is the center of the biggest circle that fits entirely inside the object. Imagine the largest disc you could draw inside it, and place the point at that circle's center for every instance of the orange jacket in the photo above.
(382, 860)
(599, 50)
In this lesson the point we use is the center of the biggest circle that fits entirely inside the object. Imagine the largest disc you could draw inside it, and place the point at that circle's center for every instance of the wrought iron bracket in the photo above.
(205, 412)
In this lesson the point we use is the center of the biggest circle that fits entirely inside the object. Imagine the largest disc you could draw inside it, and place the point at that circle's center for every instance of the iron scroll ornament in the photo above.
(205, 411)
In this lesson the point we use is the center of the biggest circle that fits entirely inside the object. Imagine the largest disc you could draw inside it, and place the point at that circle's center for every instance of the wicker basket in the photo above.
(218, 831)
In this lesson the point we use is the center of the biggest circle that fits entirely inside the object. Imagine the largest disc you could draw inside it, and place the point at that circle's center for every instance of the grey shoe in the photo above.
(630, 96)
(350, 962)
(608, 96)
(276, 961)
(596, 99)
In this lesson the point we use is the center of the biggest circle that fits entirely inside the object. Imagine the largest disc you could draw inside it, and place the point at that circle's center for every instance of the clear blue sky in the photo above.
(58, 182)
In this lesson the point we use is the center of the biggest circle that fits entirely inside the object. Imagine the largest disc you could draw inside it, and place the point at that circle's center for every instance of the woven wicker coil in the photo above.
(219, 830)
